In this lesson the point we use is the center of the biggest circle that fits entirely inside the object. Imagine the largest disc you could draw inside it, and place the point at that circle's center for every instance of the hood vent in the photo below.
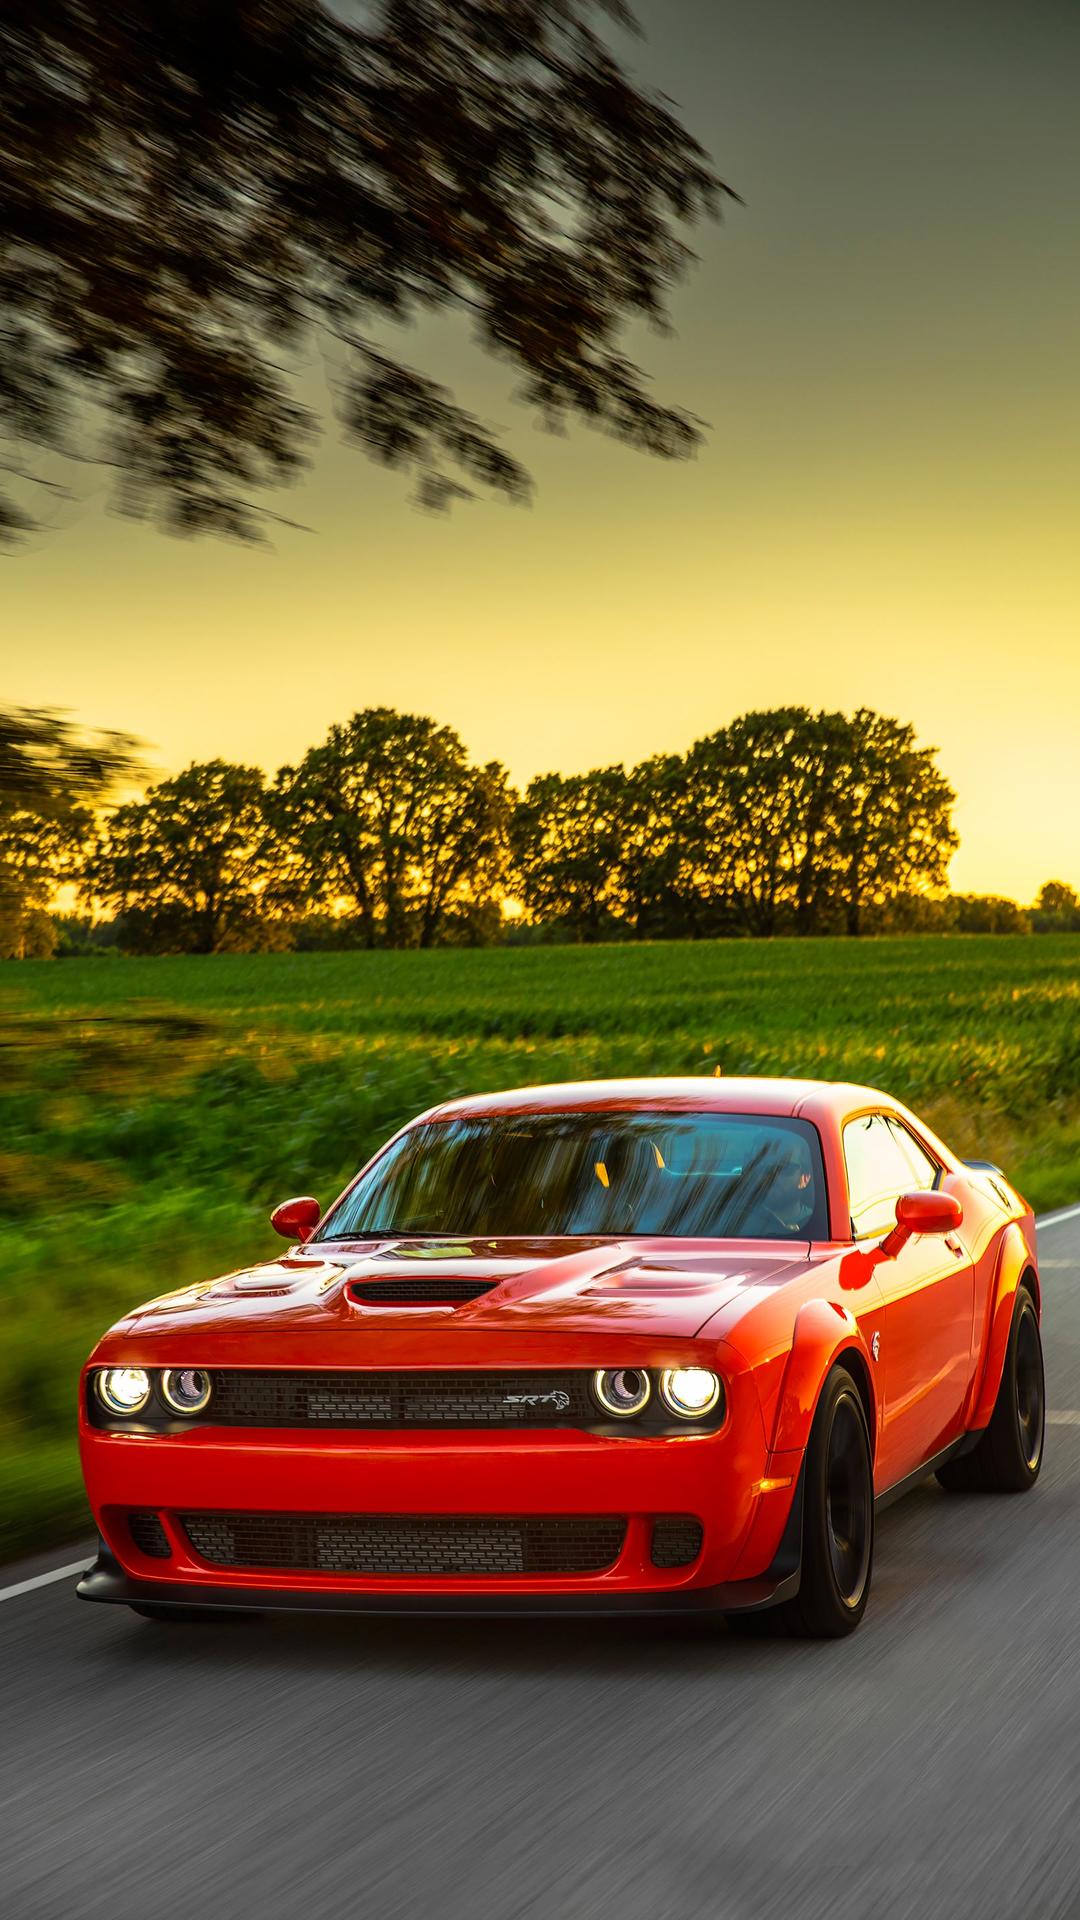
(418, 1292)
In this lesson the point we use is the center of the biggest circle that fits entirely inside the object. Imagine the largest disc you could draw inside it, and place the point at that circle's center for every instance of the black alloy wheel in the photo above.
(849, 1499)
(837, 1524)
(1030, 1390)
(1008, 1456)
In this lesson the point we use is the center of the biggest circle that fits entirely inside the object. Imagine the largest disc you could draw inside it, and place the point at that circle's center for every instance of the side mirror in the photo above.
(922, 1212)
(296, 1219)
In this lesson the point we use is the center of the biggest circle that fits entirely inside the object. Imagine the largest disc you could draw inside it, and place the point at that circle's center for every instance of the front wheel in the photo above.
(838, 1524)
(1009, 1454)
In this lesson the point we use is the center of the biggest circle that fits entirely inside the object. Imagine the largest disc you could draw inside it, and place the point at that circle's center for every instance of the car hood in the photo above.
(648, 1287)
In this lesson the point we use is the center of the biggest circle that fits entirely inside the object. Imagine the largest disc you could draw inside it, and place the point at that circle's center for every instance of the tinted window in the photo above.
(688, 1175)
(883, 1161)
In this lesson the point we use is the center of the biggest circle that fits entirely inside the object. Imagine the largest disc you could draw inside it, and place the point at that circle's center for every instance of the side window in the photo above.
(883, 1161)
(924, 1171)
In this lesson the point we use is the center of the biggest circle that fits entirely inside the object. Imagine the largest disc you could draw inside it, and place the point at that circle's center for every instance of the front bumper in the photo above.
(106, 1581)
(717, 1478)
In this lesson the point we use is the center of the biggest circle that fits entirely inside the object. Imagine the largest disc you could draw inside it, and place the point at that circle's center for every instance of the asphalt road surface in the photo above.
(302, 1770)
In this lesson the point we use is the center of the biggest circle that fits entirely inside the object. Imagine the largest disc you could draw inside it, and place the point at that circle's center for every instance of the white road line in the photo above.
(1058, 1219)
(44, 1579)
(1063, 1419)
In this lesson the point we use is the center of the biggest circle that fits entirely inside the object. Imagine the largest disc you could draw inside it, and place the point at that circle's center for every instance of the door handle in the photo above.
(953, 1243)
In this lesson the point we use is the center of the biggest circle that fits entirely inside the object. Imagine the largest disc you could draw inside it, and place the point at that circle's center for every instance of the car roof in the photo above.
(687, 1094)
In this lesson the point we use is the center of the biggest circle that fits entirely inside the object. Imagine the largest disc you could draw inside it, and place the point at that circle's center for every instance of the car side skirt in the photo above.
(964, 1444)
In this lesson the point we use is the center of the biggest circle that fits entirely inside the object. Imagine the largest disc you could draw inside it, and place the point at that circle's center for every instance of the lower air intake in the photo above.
(676, 1540)
(149, 1535)
(398, 1545)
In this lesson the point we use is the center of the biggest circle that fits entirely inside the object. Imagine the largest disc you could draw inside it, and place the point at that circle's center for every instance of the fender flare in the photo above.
(823, 1331)
(1015, 1263)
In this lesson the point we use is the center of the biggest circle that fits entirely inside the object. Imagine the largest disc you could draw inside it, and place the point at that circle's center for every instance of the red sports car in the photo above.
(630, 1346)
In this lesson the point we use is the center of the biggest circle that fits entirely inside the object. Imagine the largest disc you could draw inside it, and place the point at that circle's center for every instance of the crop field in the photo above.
(152, 1111)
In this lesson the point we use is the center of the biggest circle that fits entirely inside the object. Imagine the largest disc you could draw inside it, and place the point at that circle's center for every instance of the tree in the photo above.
(821, 760)
(797, 819)
(51, 773)
(1057, 909)
(653, 873)
(988, 913)
(782, 821)
(894, 826)
(37, 854)
(760, 804)
(568, 838)
(192, 867)
(193, 189)
(49, 765)
(389, 816)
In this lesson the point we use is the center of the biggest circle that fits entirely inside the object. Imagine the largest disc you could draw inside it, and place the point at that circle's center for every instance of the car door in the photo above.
(929, 1293)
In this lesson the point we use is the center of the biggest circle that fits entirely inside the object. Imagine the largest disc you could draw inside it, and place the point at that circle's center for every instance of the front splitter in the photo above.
(107, 1581)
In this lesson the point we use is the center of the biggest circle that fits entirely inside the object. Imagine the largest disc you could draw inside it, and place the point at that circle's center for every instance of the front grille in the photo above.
(409, 1544)
(676, 1540)
(149, 1535)
(355, 1400)
(414, 1293)
(401, 1400)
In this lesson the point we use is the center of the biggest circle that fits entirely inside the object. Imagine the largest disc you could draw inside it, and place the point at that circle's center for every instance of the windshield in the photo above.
(703, 1175)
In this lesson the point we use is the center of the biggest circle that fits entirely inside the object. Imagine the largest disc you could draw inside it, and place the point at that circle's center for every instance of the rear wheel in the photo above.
(1009, 1454)
(838, 1523)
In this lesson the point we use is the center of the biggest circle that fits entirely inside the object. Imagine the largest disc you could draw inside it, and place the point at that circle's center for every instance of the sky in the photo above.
(883, 341)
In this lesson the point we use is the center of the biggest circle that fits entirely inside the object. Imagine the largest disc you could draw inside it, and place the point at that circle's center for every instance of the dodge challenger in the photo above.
(626, 1346)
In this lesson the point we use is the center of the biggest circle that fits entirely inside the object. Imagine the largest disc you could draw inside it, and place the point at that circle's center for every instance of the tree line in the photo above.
(386, 835)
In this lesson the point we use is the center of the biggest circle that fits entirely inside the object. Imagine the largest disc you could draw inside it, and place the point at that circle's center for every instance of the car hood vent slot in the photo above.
(418, 1292)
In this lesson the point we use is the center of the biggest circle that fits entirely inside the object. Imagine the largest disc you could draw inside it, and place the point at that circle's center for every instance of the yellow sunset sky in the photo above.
(884, 512)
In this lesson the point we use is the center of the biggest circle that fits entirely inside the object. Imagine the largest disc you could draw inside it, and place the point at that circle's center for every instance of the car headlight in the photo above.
(622, 1390)
(123, 1389)
(185, 1389)
(690, 1392)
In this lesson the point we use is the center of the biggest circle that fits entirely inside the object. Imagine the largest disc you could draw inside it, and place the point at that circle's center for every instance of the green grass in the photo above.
(151, 1111)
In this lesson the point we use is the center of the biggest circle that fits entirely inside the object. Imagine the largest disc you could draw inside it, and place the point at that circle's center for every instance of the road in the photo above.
(305, 1770)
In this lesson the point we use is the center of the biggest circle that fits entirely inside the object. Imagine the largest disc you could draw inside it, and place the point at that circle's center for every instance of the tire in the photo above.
(188, 1616)
(838, 1524)
(1009, 1454)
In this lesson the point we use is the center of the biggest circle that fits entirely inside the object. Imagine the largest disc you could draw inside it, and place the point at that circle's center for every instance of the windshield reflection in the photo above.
(688, 1176)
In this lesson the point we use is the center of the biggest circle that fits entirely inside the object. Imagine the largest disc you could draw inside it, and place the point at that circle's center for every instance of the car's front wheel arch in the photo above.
(855, 1361)
(1029, 1280)
(836, 1519)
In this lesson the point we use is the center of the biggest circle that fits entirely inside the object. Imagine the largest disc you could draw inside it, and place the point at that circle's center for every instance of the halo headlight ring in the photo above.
(622, 1391)
(122, 1391)
(691, 1393)
(185, 1389)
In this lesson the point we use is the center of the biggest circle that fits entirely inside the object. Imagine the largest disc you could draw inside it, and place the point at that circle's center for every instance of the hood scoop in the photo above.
(434, 1290)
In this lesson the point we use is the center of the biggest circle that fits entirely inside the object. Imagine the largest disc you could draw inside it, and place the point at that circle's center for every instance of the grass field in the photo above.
(151, 1111)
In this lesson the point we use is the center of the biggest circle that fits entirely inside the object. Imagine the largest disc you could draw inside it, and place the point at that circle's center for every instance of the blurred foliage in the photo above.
(51, 774)
(988, 913)
(195, 193)
(152, 1111)
(1057, 909)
